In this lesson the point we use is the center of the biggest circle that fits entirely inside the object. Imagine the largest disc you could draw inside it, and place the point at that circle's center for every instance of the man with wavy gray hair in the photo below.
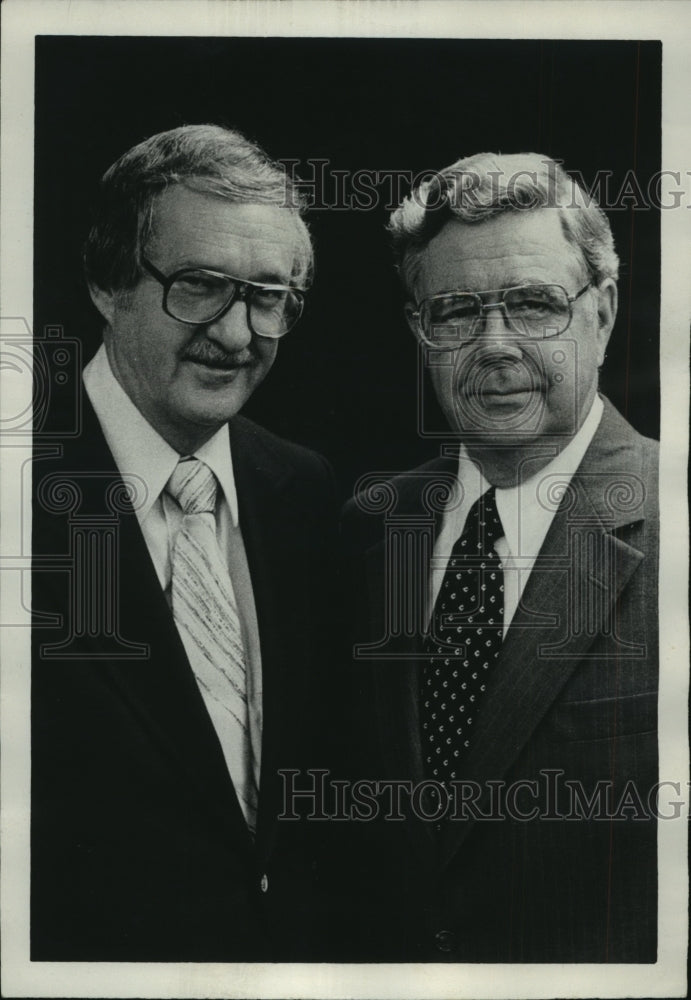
(181, 676)
(506, 640)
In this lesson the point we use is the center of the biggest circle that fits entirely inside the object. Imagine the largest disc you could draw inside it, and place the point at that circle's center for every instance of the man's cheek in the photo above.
(562, 366)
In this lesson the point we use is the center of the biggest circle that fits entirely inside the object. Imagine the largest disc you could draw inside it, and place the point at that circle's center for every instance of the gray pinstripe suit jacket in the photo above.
(566, 871)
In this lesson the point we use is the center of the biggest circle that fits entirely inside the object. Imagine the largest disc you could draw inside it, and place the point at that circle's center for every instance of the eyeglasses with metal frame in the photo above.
(536, 312)
(197, 295)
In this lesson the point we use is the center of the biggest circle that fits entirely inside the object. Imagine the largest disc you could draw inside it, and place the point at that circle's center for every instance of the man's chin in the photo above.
(501, 437)
(205, 409)
(502, 416)
(217, 412)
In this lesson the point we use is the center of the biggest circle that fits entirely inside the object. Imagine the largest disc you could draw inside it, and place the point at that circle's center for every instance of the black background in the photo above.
(345, 381)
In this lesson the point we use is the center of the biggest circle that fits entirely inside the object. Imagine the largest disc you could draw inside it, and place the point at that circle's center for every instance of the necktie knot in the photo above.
(483, 522)
(193, 486)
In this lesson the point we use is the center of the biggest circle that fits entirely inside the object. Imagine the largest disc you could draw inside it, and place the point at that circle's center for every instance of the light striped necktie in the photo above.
(206, 614)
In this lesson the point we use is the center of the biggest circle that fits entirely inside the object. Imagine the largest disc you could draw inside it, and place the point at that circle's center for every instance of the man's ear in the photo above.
(606, 314)
(411, 316)
(104, 301)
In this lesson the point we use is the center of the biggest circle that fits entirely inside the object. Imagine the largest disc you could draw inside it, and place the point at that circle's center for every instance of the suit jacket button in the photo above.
(264, 883)
(445, 940)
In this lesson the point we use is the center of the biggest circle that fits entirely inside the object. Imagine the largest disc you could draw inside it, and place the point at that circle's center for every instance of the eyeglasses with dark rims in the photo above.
(197, 295)
(536, 312)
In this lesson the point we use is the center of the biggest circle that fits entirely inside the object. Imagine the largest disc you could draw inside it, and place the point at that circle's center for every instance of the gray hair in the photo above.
(478, 187)
(206, 158)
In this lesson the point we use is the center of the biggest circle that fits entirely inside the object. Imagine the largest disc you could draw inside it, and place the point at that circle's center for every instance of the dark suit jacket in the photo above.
(139, 848)
(573, 698)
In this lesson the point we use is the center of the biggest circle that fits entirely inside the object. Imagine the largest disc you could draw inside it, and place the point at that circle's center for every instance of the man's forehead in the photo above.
(513, 242)
(199, 227)
(179, 205)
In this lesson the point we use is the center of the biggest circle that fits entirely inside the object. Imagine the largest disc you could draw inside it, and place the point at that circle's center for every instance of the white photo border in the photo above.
(665, 20)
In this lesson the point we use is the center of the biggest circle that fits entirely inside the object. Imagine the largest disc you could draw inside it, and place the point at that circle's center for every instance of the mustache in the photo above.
(207, 353)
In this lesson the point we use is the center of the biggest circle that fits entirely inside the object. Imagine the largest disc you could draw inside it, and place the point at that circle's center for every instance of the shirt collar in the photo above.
(138, 449)
(527, 510)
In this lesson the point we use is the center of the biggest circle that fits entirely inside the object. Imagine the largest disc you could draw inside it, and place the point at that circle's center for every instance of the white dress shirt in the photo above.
(526, 513)
(140, 451)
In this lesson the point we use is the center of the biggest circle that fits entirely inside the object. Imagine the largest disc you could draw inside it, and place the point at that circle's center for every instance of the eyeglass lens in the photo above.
(199, 297)
(532, 310)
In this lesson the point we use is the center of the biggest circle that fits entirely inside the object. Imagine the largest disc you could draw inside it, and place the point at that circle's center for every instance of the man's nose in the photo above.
(231, 330)
(494, 333)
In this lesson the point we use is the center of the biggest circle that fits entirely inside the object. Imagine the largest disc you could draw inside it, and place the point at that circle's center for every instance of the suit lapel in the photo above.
(582, 568)
(160, 690)
(265, 484)
(579, 574)
(165, 695)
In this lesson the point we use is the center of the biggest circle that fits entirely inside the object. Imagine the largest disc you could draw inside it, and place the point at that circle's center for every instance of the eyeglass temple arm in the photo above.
(572, 298)
(153, 271)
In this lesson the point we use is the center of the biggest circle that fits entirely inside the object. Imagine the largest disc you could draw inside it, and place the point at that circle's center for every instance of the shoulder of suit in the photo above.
(416, 493)
(245, 433)
(617, 454)
(624, 459)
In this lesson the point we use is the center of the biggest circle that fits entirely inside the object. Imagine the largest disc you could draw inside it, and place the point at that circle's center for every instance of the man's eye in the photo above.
(196, 283)
(454, 311)
(534, 303)
(269, 298)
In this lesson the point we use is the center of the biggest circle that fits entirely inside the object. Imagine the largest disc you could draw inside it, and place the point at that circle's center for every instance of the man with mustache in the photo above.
(179, 675)
(506, 642)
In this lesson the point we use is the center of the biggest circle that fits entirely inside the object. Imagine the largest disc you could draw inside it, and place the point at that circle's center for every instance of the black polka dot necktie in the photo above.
(463, 643)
